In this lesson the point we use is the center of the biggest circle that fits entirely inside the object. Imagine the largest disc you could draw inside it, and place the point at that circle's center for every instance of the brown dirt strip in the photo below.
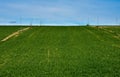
(15, 34)
(99, 38)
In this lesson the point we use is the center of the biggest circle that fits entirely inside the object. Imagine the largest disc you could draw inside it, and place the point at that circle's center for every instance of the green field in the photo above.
(60, 52)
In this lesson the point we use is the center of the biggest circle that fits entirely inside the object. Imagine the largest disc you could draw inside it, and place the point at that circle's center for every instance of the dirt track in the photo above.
(15, 34)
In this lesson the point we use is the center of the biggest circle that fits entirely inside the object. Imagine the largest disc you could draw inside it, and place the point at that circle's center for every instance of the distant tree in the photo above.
(88, 25)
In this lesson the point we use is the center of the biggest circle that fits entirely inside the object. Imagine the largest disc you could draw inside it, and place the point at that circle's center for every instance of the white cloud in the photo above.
(29, 10)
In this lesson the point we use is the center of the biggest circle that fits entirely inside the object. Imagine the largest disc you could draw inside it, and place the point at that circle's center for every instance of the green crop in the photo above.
(61, 52)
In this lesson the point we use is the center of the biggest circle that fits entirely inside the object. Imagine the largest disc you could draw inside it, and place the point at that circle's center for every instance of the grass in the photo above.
(61, 52)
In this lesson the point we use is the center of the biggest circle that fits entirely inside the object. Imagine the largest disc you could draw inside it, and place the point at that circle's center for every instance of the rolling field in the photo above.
(60, 52)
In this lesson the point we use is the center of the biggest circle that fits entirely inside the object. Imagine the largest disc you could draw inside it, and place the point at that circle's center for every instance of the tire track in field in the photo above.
(110, 31)
(99, 38)
(15, 34)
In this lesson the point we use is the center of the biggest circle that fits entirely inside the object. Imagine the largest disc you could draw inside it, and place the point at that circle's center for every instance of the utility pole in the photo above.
(31, 22)
(40, 23)
(117, 22)
(97, 20)
(88, 21)
(20, 20)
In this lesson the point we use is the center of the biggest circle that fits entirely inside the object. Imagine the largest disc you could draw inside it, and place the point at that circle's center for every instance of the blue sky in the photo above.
(60, 11)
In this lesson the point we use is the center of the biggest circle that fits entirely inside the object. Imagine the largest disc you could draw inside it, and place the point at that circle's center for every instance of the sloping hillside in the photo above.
(61, 52)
